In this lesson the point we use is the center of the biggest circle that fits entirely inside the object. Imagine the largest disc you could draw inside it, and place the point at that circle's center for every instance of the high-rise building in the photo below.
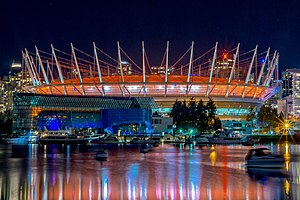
(14, 82)
(287, 87)
(295, 73)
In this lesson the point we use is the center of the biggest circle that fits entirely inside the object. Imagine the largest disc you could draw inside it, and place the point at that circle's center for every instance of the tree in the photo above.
(211, 113)
(201, 116)
(196, 116)
(267, 117)
(192, 113)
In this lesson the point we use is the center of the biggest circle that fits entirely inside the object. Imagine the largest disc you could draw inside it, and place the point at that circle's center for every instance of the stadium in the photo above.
(238, 82)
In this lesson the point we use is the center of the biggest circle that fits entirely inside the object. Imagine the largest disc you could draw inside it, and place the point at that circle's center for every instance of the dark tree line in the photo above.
(5, 123)
(268, 119)
(195, 115)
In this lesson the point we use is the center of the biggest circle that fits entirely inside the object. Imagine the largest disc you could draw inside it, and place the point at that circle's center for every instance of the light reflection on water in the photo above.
(167, 172)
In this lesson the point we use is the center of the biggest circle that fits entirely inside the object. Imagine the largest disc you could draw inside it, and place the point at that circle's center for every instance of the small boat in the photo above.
(155, 144)
(29, 138)
(139, 140)
(224, 140)
(249, 141)
(101, 155)
(110, 139)
(62, 137)
(262, 158)
(201, 140)
(144, 148)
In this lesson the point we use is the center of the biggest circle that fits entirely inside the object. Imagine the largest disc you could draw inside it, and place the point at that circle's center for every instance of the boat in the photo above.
(139, 140)
(30, 138)
(224, 140)
(101, 155)
(144, 148)
(155, 144)
(62, 137)
(109, 139)
(249, 141)
(201, 140)
(262, 158)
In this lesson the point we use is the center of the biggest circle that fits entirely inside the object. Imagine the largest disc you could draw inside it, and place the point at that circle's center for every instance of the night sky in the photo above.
(274, 24)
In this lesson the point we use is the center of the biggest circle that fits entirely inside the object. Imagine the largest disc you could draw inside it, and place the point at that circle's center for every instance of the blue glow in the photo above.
(54, 125)
(263, 60)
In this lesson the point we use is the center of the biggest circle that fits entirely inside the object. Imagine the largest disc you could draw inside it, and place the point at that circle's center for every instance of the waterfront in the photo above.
(167, 172)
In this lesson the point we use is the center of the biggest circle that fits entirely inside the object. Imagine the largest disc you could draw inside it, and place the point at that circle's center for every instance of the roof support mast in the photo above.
(77, 68)
(144, 68)
(32, 68)
(59, 69)
(167, 67)
(275, 65)
(270, 68)
(261, 72)
(233, 68)
(212, 68)
(43, 69)
(190, 68)
(42, 66)
(121, 67)
(98, 67)
(29, 69)
(249, 70)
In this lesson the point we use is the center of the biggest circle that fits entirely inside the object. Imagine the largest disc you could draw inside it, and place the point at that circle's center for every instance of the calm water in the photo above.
(167, 172)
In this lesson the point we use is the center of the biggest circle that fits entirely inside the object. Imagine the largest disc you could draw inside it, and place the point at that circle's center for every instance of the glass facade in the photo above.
(63, 112)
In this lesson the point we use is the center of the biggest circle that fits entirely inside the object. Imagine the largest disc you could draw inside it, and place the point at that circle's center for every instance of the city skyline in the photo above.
(269, 24)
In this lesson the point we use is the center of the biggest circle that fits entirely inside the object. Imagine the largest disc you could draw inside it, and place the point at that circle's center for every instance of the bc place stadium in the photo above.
(114, 93)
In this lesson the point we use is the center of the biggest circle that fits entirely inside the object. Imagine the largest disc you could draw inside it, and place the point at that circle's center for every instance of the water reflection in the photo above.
(167, 172)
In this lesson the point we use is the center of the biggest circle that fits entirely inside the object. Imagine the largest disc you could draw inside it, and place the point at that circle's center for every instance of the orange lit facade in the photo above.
(231, 78)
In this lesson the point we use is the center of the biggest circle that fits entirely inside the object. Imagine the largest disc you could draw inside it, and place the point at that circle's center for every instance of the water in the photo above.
(167, 172)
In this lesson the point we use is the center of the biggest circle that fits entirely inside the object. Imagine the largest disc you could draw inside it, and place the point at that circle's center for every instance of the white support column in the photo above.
(121, 67)
(42, 66)
(213, 62)
(77, 68)
(262, 68)
(76, 63)
(249, 70)
(261, 73)
(270, 68)
(144, 68)
(50, 71)
(98, 68)
(167, 68)
(29, 69)
(275, 66)
(143, 60)
(59, 70)
(212, 69)
(233, 68)
(35, 69)
(190, 63)
(190, 69)
(57, 65)
(32, 68)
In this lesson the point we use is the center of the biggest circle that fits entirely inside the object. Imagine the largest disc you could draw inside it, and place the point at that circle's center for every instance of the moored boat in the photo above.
(144, 148)
(109, 139)
(29, 138)
(62, 137)
(262, 158)
(224, 140)
(101, 155)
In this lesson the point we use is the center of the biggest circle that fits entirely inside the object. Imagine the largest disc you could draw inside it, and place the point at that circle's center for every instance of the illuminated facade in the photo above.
(237, 82)
(296, 91)
(106, 114)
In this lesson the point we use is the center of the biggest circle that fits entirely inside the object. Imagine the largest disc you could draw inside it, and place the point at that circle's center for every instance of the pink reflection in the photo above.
(168, 173)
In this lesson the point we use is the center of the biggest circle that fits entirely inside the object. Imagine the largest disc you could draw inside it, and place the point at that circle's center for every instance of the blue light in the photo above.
(263, 60)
